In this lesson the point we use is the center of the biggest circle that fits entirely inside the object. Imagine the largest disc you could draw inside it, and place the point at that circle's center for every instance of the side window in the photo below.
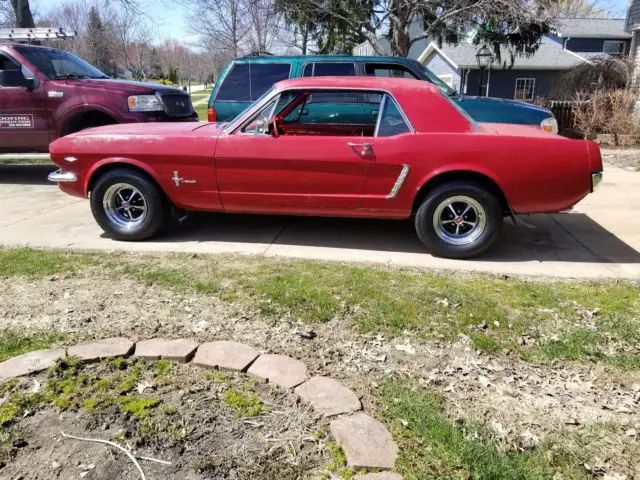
(329, 69)
(391, 120)
(7, 63)
(388, 70)
(236, 85)
(337, 112)
(264, 75)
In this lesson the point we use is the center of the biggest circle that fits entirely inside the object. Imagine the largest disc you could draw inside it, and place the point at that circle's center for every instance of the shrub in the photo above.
(606, 111)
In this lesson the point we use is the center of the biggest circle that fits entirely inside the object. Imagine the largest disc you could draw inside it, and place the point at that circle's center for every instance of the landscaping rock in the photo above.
(328, 396)
(179, 350)
(99, 349)
(366, 442)
(286, 372)
(379, 476)
(30, 363)
(232, 356)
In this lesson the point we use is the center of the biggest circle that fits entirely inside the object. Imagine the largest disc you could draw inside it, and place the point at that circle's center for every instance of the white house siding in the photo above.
(444, 70)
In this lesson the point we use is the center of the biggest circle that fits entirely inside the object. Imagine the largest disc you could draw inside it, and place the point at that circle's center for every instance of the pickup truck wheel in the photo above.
(459, 220)
(128, 206)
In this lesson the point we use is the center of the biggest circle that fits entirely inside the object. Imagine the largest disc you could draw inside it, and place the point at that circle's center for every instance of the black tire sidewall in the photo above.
(156, 208)
(437, 246)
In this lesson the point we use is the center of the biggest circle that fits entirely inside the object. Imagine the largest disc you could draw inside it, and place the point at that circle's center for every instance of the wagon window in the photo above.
(392, 121)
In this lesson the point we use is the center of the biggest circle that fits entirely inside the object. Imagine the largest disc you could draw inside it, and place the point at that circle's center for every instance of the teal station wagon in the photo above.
(245, 79)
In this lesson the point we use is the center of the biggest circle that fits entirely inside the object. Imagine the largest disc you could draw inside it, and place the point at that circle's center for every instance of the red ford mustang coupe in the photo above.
(350, 147)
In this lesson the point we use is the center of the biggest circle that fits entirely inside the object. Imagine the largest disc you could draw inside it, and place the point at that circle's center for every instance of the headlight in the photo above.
(144, 103)
(550, 125)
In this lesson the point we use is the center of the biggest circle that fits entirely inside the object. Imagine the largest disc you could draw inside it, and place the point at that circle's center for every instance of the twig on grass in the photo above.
(107, 442)
(156, 460)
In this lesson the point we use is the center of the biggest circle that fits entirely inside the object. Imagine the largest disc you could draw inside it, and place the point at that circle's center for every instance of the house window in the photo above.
(614, 47)
(525, 89)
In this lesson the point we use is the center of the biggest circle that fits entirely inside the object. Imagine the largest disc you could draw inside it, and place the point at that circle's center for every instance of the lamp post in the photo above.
(485, 59)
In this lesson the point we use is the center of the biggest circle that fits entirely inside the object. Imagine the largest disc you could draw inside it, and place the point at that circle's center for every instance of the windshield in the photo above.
(264, 95)
(433, 78)
(57, 64)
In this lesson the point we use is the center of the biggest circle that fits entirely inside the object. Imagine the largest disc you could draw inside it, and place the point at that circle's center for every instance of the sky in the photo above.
(172, 22)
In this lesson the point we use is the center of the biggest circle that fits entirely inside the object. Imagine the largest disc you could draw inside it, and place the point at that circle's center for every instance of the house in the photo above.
(573, 42)
(633, 28)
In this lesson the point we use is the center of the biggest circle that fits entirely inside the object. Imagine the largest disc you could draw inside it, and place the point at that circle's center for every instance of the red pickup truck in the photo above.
(46, 93)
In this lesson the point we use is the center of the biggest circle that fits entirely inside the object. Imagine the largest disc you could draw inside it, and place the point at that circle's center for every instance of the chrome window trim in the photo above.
(381, 108)
(233, 127)
(399, 182)
(248, 120)
(215, 99)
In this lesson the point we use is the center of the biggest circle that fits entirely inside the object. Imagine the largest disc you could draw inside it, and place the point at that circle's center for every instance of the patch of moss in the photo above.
(338, 464)
(243, 403)
(162, 369)
(137, 406)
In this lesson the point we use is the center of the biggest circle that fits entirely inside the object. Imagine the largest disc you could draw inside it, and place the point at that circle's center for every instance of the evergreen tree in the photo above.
(98, 42)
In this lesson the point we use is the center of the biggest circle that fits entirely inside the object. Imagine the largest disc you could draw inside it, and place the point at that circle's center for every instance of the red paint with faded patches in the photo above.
(322, 175)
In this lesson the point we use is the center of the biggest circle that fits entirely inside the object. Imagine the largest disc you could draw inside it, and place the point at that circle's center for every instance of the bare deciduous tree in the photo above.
(133, 35)
(225, 22)
(584, 8)
(265, 24)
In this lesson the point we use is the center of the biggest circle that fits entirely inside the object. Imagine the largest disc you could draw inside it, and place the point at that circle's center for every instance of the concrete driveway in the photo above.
(600, 240)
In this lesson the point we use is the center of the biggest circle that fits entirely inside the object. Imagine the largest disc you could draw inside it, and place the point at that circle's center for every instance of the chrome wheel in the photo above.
(124, 205)
(459, 220)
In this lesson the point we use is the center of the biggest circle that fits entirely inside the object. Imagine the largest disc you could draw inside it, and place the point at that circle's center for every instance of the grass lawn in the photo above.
(201, 110)
(434, 446)
(540, 320)
(561, 326)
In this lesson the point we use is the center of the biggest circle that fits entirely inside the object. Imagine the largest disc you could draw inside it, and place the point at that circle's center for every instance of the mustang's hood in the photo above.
(159, 129)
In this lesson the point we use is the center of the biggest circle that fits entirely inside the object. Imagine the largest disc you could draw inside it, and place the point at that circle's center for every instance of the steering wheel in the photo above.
(277, 126)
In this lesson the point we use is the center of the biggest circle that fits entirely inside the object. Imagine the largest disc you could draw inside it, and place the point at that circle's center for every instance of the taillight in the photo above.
(211, 115)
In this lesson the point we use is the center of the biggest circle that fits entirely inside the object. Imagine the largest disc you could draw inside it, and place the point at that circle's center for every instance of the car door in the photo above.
(395, 149)
(308, 171)
(24, 125)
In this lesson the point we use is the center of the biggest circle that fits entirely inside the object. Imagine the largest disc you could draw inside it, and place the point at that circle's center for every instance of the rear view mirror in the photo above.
(15, 78)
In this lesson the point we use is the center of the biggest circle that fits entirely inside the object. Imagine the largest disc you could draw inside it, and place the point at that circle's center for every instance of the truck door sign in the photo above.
(16, 121)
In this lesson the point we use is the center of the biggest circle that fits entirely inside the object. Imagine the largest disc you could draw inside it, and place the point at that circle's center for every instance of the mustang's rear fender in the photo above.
(595, 157)
(458, 172)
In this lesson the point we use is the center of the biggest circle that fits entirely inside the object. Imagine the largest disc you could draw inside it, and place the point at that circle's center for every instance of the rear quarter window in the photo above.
(246, 82)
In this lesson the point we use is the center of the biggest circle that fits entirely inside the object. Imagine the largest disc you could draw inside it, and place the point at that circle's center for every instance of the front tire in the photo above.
(128, 206)
(459, 220)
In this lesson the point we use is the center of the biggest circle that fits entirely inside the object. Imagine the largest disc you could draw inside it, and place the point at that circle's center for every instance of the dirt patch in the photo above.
(207, 424)
(629, 159)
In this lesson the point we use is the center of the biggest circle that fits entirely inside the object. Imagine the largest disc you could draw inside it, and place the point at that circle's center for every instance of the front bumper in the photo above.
(596, 180)
(60, 176)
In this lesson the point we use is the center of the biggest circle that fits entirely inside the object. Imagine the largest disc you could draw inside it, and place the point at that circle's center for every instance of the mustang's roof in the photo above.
(384, 83)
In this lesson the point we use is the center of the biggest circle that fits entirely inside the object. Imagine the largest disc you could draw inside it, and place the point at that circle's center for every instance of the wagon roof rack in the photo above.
(35, 34)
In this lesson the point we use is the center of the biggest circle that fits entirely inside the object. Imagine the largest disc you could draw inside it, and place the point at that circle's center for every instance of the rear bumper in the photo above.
(60, 176)
(596, 180)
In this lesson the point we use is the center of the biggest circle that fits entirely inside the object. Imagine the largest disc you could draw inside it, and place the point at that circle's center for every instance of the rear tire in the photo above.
(459, 219)
(128, 206)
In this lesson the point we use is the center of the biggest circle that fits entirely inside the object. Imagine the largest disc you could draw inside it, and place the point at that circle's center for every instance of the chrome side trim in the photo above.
(60, 176)
(401, 178)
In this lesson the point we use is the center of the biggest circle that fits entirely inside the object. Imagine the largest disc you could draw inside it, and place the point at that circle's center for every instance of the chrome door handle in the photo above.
(366, 151)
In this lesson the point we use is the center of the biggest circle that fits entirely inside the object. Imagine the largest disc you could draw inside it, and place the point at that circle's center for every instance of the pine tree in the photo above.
(99, 47)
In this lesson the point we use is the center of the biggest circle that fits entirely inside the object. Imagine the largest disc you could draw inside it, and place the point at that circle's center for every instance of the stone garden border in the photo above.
(366, 442)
